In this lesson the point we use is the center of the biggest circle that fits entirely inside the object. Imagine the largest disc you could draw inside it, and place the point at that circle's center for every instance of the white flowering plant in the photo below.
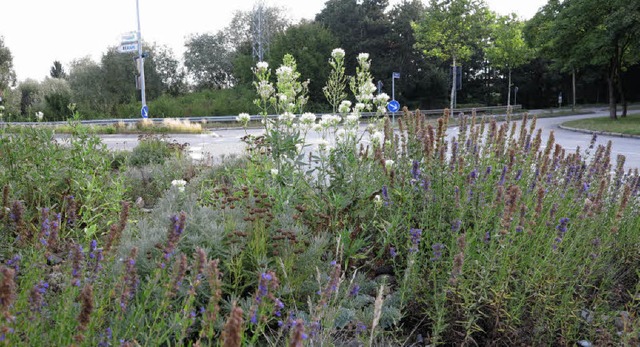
(334, 89)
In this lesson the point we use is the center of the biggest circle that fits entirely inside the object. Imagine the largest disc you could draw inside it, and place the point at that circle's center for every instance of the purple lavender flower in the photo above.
(519, 175)
(455, 225)
(45, 227)
(562, 226)
(437, 251)
(354, 291)
(487, 237)
(361, 328)
(279, 306)
(385, 195)
(488, 172)
(416, 234)
(473, 175)
(392, 252)
(415, 170)
(502, 176)
(15, 262)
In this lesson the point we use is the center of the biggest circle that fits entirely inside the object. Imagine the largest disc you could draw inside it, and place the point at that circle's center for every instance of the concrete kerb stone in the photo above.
(606, 133)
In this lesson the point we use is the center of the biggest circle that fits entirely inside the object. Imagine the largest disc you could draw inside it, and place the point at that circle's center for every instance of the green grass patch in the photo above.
(629, 125)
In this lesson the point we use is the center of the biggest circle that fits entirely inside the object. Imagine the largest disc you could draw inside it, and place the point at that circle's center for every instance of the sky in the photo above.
(38, 32)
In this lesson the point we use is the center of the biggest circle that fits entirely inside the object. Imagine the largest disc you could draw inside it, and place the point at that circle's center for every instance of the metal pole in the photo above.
(393, 87)
(141, 59)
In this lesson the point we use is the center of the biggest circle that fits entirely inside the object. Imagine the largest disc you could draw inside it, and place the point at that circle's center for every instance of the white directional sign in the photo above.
(130, 47)
(130, 37)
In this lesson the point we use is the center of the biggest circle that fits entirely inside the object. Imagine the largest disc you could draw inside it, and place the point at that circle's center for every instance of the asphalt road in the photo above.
(214, 146)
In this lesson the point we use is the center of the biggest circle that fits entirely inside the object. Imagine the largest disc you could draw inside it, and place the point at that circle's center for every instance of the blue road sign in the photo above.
(393, 106)
(396, 75)
(144, 111)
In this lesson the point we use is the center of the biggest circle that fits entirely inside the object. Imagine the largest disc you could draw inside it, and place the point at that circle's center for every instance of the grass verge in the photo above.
(629, 125)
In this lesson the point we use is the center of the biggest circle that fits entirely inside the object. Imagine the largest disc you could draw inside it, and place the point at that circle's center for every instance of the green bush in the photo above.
(151, 150)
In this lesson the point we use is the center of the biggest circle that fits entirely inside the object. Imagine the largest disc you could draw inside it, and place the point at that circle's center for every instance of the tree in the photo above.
(7, 75)
(208, 60)
(57, 97)
(450, 29)
(57, 71)
(171, 73)
(593, 33)
(361, 26)
(310, 44)
(85, 78)
(422, 85)
(508, 49)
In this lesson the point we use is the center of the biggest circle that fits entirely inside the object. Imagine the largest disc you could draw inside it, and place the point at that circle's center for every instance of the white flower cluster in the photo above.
(262, 65)
(265, 89)
(363, 60)
(243, 118)
(351, 120)
(330, 120)
(284, 71)
(365, 92)
(39, 115)
(180, 184)
(287, 117)
(382, 98)
(324, 146)
(308, 118)
(377, 138)
(337, 53)
(345, 106)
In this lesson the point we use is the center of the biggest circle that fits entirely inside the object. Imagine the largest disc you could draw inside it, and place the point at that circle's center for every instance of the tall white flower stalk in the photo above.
(264, 87)
(285, 135)
(334, 89)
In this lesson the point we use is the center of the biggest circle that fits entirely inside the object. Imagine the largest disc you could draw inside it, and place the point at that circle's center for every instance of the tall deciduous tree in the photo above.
(310, 44)
(7, 75)
(508, 50)
(450, 29)
(604, 34)
(208, 60)
(361, 26)
(171, 72)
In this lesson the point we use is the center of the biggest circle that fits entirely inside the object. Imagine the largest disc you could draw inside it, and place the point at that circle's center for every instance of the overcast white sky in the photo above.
(40, 31)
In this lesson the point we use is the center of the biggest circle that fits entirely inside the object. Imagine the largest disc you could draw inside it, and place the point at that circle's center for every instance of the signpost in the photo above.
(128, 47)
(393, 84)
(144, 112)
(393, 106)
(132, 42)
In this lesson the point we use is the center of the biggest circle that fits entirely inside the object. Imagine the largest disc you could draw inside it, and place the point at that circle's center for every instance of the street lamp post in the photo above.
(141, 58)
(515, 96)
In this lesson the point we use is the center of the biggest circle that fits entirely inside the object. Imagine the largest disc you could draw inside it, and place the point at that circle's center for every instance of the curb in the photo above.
(606, 133)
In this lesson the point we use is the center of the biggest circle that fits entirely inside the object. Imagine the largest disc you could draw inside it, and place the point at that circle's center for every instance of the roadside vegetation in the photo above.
(378, 238)
(629, 125)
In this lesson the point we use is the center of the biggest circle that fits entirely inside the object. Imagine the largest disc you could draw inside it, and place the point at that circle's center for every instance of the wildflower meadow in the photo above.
(381, 233)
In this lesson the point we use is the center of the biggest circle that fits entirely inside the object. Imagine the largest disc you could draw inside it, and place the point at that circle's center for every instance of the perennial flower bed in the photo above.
(390, 236)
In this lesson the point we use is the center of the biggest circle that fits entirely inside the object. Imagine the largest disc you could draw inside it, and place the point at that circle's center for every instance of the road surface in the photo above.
(212, 147)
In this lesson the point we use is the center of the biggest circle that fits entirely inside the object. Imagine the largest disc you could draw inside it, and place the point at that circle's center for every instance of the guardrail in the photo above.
(228, 119)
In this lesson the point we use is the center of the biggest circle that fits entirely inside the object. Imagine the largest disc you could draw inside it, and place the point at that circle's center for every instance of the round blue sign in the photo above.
(144, 111)
(393, 106)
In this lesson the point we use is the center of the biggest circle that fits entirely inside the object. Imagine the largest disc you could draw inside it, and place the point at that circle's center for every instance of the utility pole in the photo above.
(258, 30)
(141, 60)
